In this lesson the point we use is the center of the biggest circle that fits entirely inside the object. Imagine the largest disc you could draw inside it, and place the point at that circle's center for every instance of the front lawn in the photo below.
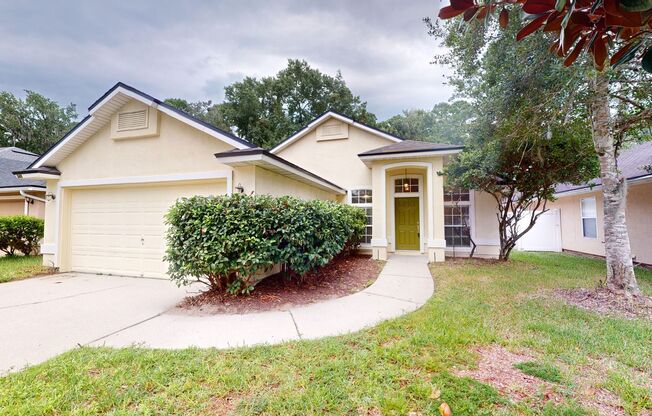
(406, 365)
(20, 267)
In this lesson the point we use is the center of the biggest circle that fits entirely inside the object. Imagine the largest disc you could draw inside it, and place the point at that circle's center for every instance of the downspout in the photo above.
(26, 195)
(27, 198)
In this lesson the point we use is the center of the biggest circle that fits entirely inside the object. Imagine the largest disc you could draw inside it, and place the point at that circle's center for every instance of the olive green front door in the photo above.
(406, 219)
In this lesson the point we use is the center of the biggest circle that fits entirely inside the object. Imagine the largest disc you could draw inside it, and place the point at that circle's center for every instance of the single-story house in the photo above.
(112, 178)
(19, 197)
(581, 208)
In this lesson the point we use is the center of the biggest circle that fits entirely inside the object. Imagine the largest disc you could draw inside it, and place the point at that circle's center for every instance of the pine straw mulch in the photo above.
(342, 276)
(608, 302)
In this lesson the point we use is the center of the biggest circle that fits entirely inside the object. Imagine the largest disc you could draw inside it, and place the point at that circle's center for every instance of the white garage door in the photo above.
(122, 230)
(544, 236)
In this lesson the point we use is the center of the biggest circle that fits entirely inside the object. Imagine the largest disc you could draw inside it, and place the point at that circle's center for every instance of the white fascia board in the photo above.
(37, 176)
(178, 177)
(22, 188)
(405, 155)
(64, 142)
(123, 91)
(308, 128)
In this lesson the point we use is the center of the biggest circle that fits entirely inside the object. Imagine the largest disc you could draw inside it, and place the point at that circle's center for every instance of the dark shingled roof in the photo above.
(411, 146)
(631, 163)
(12, 159)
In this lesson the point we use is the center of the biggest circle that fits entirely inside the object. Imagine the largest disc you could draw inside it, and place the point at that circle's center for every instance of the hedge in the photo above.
(20, 233)
(224, 241)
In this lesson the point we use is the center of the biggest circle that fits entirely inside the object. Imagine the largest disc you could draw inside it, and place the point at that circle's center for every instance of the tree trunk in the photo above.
(620, 269)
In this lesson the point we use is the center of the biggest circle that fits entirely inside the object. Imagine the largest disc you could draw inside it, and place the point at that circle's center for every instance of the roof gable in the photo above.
(333, 115)
(100, 113)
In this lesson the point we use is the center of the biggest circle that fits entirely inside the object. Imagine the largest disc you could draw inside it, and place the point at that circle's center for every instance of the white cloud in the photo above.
(193, 50)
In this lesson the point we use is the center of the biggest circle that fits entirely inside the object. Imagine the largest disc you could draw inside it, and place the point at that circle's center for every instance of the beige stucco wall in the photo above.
(16, 205)
(335, 160)
(639, 209)
(272, 183)
(12, 206)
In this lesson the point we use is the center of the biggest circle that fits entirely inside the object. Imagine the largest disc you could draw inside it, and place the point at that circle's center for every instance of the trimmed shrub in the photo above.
(224, 241)
(20, 233)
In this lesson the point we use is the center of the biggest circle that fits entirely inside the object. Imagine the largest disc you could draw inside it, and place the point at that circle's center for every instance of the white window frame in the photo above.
(363, 205)
(471, 224)
(595, 218)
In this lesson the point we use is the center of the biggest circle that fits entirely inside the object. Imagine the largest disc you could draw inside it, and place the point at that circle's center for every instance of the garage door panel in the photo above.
(122, 230)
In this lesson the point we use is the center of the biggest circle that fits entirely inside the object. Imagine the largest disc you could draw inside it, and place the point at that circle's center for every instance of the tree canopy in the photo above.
(33, 123)
(445, 123)
(267, 110)
(525, 138)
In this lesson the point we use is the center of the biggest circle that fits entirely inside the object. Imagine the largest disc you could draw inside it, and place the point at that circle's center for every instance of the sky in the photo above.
(75, 51)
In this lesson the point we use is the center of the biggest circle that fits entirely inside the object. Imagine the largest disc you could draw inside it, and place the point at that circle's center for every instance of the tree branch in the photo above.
(625, 123)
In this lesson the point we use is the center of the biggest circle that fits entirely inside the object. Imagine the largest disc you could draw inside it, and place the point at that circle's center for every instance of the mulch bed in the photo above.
(608, 302)
(342, 276)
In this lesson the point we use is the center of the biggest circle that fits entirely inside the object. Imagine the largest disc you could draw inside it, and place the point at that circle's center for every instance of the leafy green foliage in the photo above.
(544, 371)
(20, 233)
(33, 123)
(225, 241)
(203, 110)
(445, 123)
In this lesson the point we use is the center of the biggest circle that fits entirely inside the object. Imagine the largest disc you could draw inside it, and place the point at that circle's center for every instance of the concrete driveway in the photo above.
(43, 317)
(40, 318)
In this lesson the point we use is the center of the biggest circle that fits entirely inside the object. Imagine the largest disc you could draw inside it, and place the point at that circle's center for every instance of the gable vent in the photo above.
(132, 120)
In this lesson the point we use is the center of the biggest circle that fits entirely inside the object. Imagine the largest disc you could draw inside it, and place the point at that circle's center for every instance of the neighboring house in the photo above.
(581, 209)
(113, 177)
(19, 197)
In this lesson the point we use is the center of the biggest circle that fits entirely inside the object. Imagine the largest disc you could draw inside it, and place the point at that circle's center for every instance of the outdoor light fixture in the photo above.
(406, 183)
(50, 197)
(239, 188)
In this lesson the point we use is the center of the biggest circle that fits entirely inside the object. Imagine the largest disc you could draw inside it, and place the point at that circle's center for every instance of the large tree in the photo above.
(620, 28)
(33, 123)
(445, 123)
(267, 110)
(519, 148)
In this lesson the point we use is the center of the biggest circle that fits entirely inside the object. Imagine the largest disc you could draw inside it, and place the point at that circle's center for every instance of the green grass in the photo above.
(544, 371)
(20, 267)
(401, 366)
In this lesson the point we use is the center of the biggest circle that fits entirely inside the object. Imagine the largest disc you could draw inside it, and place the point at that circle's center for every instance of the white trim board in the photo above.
(312, 125)
(127, 180)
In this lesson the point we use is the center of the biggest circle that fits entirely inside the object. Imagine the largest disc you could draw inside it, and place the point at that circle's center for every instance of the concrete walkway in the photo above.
(43, 317)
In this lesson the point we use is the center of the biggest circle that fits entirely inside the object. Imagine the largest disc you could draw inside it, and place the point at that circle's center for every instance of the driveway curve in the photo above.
(51, 315)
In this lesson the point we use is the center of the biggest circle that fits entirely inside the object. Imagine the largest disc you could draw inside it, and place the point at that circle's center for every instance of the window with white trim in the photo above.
(457, 226)
(589, 217)
(363, 198)
(406, 185)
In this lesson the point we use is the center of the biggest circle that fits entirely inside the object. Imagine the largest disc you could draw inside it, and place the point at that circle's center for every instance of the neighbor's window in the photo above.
(589, 218)
(363, 199)
(403, 185)
(457, 228)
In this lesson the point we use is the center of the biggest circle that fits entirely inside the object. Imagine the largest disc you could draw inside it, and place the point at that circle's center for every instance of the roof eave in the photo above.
(263, 158)
(368, 158)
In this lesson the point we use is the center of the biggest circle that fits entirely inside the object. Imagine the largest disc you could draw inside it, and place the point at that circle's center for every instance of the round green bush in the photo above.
(224, 241)
(20, 233)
